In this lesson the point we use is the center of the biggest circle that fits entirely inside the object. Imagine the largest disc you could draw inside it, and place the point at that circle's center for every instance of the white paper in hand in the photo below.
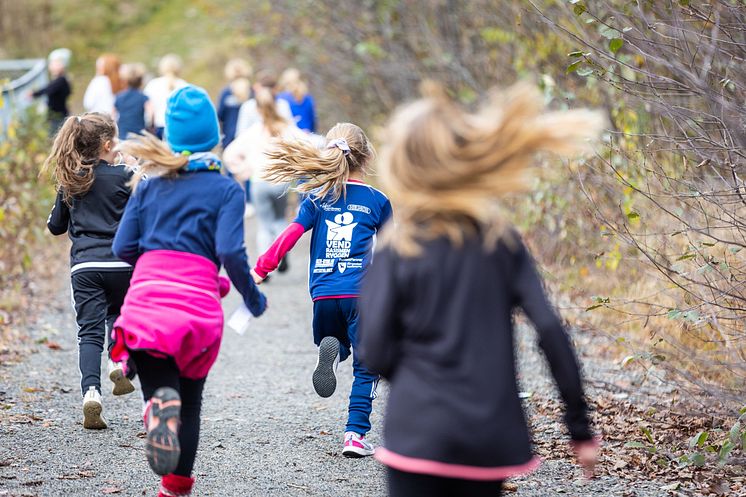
(240, 319)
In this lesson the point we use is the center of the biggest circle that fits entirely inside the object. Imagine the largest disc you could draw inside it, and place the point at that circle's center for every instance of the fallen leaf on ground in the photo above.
(510, 487)
(111, 490)
(53, 345)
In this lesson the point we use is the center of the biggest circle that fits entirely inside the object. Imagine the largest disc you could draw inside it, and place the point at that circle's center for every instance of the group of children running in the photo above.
(153, 222)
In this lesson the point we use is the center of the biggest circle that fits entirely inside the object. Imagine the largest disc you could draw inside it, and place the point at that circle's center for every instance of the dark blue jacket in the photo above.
(196, 212)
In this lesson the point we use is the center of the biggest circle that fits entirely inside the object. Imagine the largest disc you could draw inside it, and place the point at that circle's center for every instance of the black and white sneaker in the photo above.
(325, 374)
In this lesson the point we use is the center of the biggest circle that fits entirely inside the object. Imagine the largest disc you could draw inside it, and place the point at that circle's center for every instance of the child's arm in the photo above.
(269, 261)
(230, 249)
(126, 243)
(59, 218)
(555, 344)
(379, 332)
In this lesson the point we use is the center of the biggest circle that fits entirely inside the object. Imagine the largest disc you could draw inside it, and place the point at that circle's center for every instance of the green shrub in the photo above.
(24, 199)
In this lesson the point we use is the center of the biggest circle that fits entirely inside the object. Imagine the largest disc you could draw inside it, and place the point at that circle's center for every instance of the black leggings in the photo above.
(155, 373)
(97, 298)
(402, 484)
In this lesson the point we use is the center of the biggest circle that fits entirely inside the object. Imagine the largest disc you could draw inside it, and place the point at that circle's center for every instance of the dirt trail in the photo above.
(264, 431)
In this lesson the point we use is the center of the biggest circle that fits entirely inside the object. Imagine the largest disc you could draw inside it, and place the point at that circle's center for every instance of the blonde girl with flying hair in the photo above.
(437, 306)
(344, 214)
(246, 159)
(159, 89)
(92, 192)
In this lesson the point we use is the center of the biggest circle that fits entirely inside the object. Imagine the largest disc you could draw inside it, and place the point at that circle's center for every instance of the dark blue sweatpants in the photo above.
(339, 318)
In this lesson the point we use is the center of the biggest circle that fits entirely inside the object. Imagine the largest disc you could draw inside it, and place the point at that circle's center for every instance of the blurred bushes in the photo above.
(24, 203)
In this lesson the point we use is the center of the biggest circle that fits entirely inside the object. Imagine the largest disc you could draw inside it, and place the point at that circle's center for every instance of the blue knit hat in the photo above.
(191, 121)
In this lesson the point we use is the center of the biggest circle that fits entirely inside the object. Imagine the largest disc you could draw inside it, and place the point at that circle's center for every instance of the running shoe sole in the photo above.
(356, 453)
(122, 384)
(162, 447)
(92, 419)
(324, 377)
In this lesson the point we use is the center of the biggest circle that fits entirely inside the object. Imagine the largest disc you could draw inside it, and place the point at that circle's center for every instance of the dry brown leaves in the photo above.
(660, 437)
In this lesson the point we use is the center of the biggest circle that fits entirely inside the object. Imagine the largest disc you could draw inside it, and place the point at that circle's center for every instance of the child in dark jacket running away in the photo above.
(180, 227)
(92, 193)
(436, 307)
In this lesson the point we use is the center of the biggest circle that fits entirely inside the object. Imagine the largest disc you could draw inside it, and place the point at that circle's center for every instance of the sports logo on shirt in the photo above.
(342, 266)
(339, 236)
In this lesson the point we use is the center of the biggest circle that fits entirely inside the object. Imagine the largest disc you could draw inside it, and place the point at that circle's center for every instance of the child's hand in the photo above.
(260, 305)
(257, 279)
(587, 455)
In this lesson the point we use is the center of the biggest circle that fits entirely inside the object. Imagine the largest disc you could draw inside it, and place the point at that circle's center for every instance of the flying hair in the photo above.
(447, 169)
(76, 151)
(324, 171)
(155, 156)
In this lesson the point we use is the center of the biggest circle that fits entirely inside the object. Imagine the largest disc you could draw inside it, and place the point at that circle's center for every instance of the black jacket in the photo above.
(57, 92)
(92, 220)
(439, 327)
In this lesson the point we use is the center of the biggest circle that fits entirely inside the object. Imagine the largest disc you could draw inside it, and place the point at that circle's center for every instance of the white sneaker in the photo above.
(122, 384)
(92, 418)
(357, 446)
(325, 375)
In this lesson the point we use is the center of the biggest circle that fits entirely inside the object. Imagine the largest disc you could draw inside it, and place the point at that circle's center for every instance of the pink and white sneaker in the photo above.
(356, 446)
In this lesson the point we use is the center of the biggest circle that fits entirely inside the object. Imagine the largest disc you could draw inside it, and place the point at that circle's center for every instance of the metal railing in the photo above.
(15, 91)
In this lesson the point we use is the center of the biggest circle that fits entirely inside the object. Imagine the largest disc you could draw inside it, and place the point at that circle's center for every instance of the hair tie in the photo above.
(341, 144)
(79, 119)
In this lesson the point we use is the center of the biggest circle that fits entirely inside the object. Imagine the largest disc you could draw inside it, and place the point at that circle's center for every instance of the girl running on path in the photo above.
(159, 89)
(238, 91)
(99, 95)
(295, 91)
(181, 225)
(345, 214)
(437, 307)
(92, 193)
(133, 109)
(58, 90)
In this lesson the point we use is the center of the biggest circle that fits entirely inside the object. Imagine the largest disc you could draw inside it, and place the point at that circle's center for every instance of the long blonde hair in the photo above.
(266, 105)
(445, 169)
(155, 156)
(322, 172)
(76, 151)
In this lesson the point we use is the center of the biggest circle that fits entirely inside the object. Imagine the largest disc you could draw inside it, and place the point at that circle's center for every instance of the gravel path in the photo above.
(264, 431)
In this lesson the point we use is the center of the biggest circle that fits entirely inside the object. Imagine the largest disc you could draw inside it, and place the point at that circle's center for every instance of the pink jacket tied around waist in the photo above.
(172, 308)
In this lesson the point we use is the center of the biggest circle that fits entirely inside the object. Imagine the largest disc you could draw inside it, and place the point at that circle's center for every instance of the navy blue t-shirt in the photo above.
(342, 238)
(130, 105)
(228, 107)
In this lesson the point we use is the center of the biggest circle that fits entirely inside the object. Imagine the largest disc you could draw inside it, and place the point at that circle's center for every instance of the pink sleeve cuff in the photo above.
(268, 262)
(224, 286)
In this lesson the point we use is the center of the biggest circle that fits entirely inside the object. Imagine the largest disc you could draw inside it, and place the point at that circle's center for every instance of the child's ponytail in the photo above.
(445, 169)
(76, 151)
(155, 156)
(321, 172)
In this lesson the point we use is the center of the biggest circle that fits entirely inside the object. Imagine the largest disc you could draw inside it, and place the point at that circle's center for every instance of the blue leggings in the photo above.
(338, 318)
